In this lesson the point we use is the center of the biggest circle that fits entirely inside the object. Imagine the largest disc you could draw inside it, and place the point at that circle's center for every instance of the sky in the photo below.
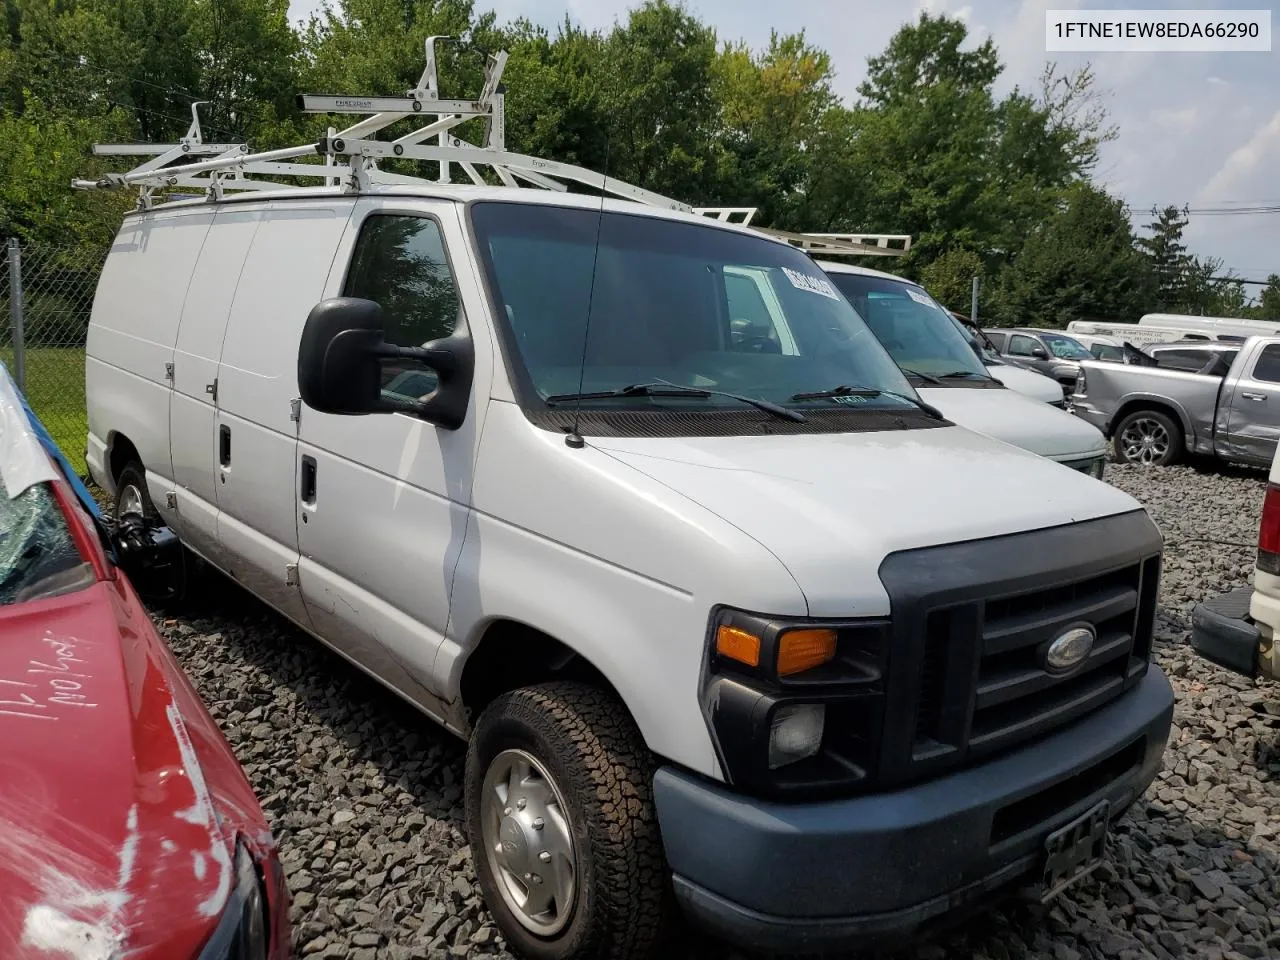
(1195, 129)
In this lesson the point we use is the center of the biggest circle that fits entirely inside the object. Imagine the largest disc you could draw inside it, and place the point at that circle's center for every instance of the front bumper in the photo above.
(1222, 631)
(854, 872)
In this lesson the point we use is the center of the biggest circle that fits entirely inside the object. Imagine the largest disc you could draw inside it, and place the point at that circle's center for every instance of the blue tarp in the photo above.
(77, 485)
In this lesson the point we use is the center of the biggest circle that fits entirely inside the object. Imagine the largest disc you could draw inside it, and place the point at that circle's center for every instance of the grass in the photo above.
(55, 390)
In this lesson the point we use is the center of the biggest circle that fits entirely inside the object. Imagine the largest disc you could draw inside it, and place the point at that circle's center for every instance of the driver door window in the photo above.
(400, 263)
(1020, 346)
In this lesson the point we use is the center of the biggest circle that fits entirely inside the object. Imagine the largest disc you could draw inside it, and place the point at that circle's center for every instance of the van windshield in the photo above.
(674, 303)
(913, 327)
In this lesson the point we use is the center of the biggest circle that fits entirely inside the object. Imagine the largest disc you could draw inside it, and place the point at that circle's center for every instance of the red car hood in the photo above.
(111, 842)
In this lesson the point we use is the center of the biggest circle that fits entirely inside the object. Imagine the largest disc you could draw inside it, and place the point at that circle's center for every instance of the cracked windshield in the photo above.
(37, 554)
(683, 314)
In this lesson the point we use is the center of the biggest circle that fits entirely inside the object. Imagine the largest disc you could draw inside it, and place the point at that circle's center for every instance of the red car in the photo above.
(127, 828)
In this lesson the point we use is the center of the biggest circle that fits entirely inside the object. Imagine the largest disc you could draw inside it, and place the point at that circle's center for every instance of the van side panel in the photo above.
(132, 331)
(283, 278)
(194, 441)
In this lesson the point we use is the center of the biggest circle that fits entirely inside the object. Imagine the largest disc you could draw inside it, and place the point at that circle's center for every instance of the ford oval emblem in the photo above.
(1070, 648)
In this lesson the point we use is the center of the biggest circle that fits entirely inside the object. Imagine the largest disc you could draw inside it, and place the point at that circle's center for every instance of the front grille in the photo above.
(1016, 694)
(972, 623)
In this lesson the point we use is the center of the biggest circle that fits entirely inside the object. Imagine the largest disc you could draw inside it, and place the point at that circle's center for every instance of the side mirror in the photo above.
(340, 365)
(1040, 353)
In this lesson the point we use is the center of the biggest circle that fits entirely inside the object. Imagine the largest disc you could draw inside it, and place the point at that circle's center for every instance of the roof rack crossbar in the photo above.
(349, 158)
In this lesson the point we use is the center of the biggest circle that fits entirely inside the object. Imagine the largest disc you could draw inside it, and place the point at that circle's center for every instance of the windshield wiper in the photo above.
(926, 377)
(964, 375)
(845, 390)
(663, 389)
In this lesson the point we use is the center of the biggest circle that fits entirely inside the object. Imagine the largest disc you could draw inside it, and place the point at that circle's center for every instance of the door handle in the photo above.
(308, 486)
(1260, 397)
(224, 445)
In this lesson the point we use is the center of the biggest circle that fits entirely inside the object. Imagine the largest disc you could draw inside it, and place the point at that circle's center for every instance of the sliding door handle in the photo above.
(307, 490)
(224, 445)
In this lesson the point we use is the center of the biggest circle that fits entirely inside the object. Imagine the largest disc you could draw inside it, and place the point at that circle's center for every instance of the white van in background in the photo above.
(924, 341)
(1213, 328)
(1128, 332)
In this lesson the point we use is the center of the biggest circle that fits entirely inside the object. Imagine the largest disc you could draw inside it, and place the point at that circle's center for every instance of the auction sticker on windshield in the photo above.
(802, 281)
(920, 298)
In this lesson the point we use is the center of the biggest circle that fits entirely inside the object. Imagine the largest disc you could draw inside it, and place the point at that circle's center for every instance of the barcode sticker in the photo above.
(802, 281)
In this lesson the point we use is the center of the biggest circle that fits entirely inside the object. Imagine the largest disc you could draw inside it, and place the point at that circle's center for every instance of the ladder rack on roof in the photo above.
(351, 156)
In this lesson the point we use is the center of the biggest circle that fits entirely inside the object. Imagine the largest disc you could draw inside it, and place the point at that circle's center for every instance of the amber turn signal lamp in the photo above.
(738, 645)
(800, 650)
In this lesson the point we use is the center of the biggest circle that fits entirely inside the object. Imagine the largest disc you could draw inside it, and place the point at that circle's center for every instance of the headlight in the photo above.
(795, 706)
(243, 933)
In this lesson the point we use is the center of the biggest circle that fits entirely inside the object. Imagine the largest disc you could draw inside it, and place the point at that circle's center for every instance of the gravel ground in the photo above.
(365, 796)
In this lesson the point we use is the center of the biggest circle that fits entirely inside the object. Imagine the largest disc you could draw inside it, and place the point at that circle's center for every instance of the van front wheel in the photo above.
(562, 827)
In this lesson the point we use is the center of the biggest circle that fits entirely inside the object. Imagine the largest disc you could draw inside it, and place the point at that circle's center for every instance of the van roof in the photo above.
(455, 193)
(832, 267)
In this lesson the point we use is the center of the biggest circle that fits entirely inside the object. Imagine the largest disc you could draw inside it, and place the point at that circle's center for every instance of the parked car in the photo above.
(705, 611)
(1027, 382)
(1156, 410)
(941, 364)
(127, 828)
(1050, 352)
(1238, 629)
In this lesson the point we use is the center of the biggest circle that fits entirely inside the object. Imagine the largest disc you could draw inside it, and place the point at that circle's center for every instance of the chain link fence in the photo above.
(46, 294)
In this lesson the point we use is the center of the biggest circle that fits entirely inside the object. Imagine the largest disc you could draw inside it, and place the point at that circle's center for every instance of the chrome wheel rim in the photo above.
(1144, 440)
(129, 501)
(528, 841)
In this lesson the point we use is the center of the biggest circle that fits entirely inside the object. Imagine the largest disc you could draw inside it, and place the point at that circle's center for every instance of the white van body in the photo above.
(1235, 326)
(1127, 332)
(459, 563)
(1003, 414)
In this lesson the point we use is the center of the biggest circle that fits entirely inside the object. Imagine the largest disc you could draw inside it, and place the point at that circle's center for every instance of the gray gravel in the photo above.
(365, 796)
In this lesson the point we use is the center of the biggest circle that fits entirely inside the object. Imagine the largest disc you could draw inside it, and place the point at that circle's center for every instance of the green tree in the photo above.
(1167, 256)
(950, 278)
(1080, 264)
(1269, 300)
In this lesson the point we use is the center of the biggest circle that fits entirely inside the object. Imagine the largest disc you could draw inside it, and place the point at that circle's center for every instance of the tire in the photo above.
(131, 491)
(590, 763)
(1148, 438)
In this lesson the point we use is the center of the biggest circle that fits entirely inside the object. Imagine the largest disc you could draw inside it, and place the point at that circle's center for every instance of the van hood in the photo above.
(1034, 385)
(1015, 418)
(831, 507)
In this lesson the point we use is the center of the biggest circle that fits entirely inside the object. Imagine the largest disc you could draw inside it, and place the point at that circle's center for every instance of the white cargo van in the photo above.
(717, 620)
(927, 346)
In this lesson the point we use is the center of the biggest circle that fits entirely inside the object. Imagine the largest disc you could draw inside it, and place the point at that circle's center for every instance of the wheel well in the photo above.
(512, 655)
(122, 453)
(1133, 406)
